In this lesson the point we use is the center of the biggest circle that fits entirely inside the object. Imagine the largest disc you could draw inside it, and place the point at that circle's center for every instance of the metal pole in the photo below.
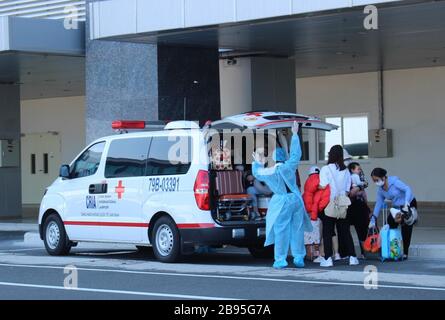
(185, 107)
(381, 101)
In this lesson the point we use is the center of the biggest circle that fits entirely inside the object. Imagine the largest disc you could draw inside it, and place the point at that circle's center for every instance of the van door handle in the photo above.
(100, 188)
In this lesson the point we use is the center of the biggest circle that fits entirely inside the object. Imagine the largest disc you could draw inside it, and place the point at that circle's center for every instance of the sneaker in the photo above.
(404, 257)
(337, 257)
(353, 261)
(326, 263)
(318, 259)
(362, 257)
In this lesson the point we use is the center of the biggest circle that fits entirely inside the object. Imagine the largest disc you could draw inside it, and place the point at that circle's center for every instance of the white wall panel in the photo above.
(4, 34)
(303, 6)
(258, 9)
(205, 12)
(154, 15)
(117, 17)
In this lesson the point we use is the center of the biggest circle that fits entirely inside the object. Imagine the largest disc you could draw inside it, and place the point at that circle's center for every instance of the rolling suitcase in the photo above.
(391, 240)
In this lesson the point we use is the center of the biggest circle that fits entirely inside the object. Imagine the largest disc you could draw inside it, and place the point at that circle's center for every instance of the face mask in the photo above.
(380, 183)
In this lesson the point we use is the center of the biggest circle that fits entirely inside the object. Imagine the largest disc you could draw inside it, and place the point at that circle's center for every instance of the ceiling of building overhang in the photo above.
(410, 35)
(43, 76)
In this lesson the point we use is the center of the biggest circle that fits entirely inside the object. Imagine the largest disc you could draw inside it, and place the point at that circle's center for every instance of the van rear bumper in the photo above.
(242, 236)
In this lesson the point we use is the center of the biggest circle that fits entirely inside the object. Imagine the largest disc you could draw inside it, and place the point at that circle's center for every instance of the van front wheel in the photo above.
(55, 237)
(166, 240)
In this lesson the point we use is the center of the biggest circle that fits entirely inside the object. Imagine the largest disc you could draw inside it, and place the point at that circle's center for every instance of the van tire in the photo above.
(54, 236)
(261, 252)
(166, 240)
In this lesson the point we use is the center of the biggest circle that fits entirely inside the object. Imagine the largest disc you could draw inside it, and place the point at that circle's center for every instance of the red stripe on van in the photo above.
(106, 224)
(136, 225)
(196, 225)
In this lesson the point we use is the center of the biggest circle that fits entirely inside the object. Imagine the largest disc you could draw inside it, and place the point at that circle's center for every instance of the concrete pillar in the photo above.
(188, 83)
(121, 83)
(258, 83)
(10, 178)
(150, 82)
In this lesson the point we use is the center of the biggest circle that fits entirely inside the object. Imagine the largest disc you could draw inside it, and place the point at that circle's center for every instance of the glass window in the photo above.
(127, 158)
(88, 162)
(169, 156)
(355, 136)
(352, 134)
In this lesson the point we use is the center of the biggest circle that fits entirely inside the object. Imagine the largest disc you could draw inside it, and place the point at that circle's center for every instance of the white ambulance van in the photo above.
(174, 189)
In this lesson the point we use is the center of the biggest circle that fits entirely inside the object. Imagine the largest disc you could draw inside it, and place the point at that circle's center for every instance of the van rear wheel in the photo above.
(260, 252)
(166, 240)
(55, 238)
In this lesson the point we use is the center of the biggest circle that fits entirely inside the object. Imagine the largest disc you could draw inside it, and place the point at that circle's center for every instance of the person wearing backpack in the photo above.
(401, 195)
(337, 176)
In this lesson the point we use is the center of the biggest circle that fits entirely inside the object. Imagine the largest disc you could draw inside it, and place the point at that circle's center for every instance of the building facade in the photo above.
(68, 68)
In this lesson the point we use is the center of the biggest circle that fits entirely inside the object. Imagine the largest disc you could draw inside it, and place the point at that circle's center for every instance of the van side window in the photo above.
(127, 158)
(169, 156)
(88, 162)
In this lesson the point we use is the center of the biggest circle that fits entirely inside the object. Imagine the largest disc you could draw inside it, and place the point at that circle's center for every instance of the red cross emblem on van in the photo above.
(120, 189)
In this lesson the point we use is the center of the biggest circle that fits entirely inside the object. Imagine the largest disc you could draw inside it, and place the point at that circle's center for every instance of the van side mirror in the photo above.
(64, 171)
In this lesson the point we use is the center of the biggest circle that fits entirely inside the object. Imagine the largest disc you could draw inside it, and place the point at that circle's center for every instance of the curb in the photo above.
(32, 238)
(25, 227)
(429, 251)
(424, 251)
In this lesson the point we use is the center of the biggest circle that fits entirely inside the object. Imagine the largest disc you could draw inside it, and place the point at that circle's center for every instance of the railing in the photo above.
(49, 9)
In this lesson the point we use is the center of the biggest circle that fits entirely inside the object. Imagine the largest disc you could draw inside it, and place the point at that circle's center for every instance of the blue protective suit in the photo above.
(286, 219)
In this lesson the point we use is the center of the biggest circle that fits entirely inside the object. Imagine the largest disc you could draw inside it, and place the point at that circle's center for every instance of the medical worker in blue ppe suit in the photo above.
(286, 219)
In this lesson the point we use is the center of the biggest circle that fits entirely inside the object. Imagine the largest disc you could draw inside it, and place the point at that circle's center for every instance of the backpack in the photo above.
(338, 208)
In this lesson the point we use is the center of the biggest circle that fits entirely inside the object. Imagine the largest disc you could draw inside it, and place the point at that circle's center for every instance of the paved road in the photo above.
(120, 272)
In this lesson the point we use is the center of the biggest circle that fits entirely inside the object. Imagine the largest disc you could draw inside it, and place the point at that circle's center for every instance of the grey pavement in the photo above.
(120, 272)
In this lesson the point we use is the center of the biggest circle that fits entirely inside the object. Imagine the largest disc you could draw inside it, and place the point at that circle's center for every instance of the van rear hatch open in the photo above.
(271, 120)
(230, 202)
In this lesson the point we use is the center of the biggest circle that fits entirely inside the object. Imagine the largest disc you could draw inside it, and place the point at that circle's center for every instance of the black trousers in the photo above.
(343, 234)
(358, 216)
(407, 231)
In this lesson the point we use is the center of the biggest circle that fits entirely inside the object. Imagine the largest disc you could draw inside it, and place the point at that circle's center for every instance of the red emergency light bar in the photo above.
(124, 125)
(121, 124)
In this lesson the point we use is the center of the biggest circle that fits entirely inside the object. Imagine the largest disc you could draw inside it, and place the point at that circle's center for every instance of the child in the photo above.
(359, 212)
(315, 201)
(358, 180)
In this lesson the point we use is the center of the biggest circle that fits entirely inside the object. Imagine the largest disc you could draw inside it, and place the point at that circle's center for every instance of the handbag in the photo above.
(372, 243)
(338, 207)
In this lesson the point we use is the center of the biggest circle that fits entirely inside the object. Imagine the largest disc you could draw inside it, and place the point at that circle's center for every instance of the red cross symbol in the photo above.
(120, 189)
